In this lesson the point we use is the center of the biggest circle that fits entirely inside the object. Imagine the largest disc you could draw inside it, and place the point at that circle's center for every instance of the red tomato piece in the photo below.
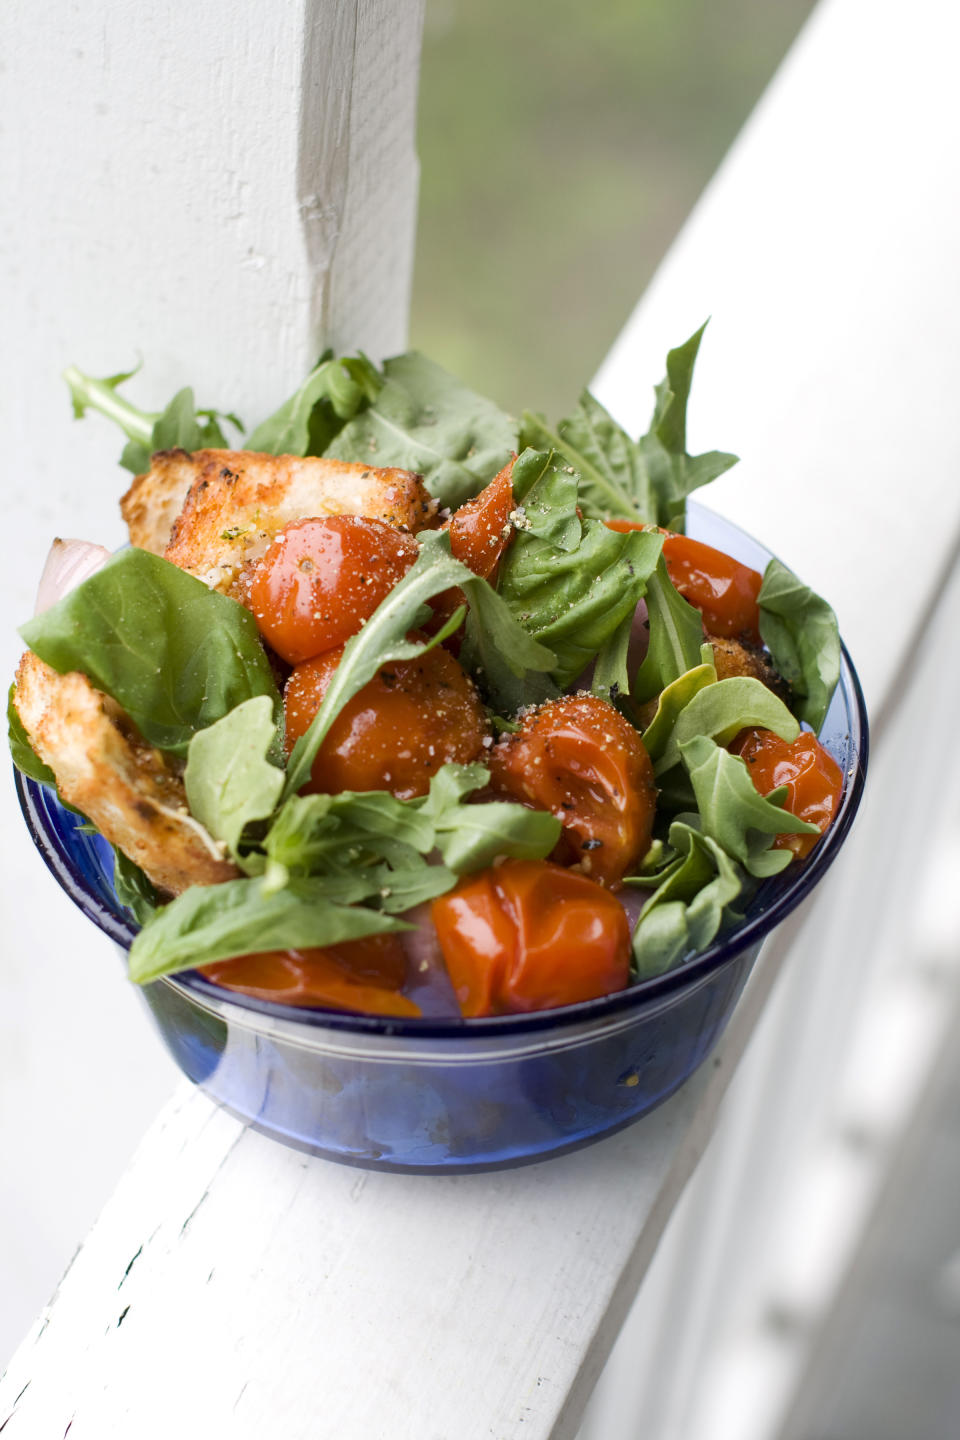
(580, 759)
(529, 935)
(813, 779)
(479, 534)
(363, 976)
(480, 529)
(411, 718)
(724, 591)
(321, 578)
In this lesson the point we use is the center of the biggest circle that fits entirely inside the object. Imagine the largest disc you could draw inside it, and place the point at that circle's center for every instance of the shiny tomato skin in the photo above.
(479, 534)
(724, 591)
(529, 935)
(362, 976)
(322, 578)
(411, 718)
(813, 779)
(580, 759)
(480, 529)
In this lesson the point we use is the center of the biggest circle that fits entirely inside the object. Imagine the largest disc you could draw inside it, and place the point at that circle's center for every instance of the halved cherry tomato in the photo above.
(813, 779)
(321, 578)
(528, 935)
(480, 529)
(411, 718)
(580, 759)
(364, 975)
(479, 534)
(724, 591)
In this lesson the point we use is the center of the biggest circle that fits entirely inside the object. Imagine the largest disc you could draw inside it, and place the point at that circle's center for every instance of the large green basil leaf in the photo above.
(174, 655)
(241, 917)
(427, 421)
(800, 631)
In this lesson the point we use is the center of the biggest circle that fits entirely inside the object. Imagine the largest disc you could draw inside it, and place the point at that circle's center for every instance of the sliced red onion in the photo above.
(68, 563)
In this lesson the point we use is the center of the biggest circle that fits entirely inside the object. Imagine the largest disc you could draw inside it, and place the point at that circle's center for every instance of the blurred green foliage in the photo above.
(561, 149)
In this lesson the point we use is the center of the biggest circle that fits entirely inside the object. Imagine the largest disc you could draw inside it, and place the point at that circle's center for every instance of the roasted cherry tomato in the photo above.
(412, 717)
(365, 976)
(724, 591)
(479, 532)
(321, 579)
(528, 935)
(480, 529)
(813, 779)
(580, 759)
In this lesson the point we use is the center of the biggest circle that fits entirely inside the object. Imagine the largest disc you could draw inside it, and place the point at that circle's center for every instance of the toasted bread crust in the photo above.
(124, 786)
(228, 505)
(155, 499)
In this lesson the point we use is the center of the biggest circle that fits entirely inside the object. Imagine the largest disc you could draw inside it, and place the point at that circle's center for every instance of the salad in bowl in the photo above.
(410, 748)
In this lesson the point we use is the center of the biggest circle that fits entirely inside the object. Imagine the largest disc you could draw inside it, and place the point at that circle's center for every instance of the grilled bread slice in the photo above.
(107, 770)
(228, 505)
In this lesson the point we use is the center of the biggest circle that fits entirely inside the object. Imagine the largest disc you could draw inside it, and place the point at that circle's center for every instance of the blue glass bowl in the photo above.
(430, 1096)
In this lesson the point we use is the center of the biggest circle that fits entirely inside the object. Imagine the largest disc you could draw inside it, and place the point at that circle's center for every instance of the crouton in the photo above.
(106, 769)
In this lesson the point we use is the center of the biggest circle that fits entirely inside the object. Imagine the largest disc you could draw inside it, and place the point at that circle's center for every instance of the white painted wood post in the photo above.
(222, 189)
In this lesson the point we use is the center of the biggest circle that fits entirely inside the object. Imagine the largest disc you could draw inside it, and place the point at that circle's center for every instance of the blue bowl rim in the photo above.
(751, 931)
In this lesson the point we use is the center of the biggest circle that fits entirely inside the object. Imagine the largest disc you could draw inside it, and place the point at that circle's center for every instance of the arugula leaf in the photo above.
(611, 677)
(24, 756)
(333, 393)
(733, 814)
(673, 698)
(240, 917)
(427, 421)
(721, 711)
(614, 481)
(180, 425)
(314, 834)
(800, 631)
(673, 473)
(684, 914)
(229, 780)
(134, 889)
(471, 837)
(174, 655)
(383, 639)
(676, 637)
(509, 667)
(647, 479)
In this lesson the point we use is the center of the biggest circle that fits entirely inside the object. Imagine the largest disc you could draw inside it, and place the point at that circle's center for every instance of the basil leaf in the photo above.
(24, 756)
(676, 637)
(685, 913)
(800, 631)
(551, 494)
(427, 421)
(574, 600)
(383, 639)
(722, 710)
(174, 655)
(733, 814)
(228, 779)
(134, 889)
(240, 917)
(673, 473)
(317, 411)
(613, 473)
